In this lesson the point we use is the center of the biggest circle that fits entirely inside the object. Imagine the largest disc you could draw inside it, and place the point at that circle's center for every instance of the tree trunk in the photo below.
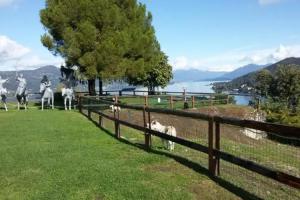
(100, 87)
(92, 89)
(151, 90)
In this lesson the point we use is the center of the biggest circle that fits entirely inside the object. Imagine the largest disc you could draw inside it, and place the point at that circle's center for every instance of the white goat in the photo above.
(169, 130)
(115, 108)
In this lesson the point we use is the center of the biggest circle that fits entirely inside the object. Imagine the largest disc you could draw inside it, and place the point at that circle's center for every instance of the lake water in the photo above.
(202, 86)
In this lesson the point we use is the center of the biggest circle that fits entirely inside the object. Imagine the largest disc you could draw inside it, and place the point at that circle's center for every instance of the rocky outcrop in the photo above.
(253, 133)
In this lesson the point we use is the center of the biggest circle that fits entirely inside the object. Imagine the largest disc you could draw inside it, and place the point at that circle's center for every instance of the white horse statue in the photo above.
(21, 92)
(47, 93)
(3, 92)
(169, 130)
(68, 94)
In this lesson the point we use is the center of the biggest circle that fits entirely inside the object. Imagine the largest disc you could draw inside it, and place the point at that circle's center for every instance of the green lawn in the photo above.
(62, 155)
(178, 101)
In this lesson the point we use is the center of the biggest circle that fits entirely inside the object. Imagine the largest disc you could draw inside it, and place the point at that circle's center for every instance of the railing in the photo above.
(214, 133)
(145, 92)
(170, 99)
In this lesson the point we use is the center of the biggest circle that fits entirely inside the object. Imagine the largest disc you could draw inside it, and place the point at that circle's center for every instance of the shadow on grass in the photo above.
(58, 105)
(238, 191)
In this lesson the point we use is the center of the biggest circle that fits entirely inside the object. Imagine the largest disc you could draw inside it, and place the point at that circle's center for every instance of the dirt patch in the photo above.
(240, 112)
(99, 197)
(195, 129)
(168, 167)
(207, 189)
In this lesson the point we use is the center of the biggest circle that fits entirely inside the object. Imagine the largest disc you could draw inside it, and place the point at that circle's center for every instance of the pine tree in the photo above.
(106, 39)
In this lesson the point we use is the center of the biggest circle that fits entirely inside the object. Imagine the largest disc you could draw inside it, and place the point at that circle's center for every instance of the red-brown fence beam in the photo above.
(147, 134)
(100, 121)
(217, 147)
(146, 101)
(262, 170)
(171, 102)
(80, 104)
(193, 101)
(211, 161)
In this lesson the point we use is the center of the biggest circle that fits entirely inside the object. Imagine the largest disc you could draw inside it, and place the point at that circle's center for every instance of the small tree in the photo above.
(158, 74)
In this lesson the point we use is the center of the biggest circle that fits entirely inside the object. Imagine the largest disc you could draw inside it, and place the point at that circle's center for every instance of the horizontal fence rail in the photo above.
(213, 148)
(171, 99)
(169, 92)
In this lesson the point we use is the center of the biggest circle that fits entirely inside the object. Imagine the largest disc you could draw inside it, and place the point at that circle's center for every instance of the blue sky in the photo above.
(218, 35)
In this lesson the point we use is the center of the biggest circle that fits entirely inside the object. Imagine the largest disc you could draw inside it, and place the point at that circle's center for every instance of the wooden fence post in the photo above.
(211, 167)
(89, 113)
(80, 104)
(193, 101)
(171, 102)
(146, 101)
(117, 124)
(117, 116)
(147, 135)
(217, 146)
(100, 121)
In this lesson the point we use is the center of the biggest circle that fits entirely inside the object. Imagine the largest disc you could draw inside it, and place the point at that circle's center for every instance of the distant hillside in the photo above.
(33, 77)
(195, 75)
(242, 71)
(249, 79)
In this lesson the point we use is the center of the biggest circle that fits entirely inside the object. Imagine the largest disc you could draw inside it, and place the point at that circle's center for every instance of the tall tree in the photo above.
(263, 81)
(105, 38)
(287, 78)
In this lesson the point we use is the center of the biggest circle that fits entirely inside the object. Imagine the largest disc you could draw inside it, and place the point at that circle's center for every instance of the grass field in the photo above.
(178, 101)
(62, 155)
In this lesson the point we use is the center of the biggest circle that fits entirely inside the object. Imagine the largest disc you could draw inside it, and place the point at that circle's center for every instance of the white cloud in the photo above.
(10, 49)
(236, 58)
(180, 62)
(7, 2)
(268, 2)
(16, 56)
(272, 55)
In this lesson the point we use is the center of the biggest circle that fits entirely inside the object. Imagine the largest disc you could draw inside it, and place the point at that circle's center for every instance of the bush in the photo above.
(186, 105)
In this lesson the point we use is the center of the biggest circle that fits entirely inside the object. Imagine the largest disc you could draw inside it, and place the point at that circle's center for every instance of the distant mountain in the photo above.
(242, 71)
(195, 75)
(249, 79)
(33, 77)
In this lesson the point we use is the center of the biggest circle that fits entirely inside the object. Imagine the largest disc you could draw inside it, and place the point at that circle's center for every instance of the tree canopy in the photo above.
(287, 79)
(159, 73)
(283, 85)
(106, 39)
(263, 81)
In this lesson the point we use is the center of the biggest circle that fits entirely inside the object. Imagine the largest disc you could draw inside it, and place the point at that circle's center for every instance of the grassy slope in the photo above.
(266, 152)
(61, 155)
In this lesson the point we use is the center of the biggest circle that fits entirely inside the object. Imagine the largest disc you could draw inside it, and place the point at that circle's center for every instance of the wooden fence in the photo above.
(145, 92)
(213, 148)
(173, 99)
